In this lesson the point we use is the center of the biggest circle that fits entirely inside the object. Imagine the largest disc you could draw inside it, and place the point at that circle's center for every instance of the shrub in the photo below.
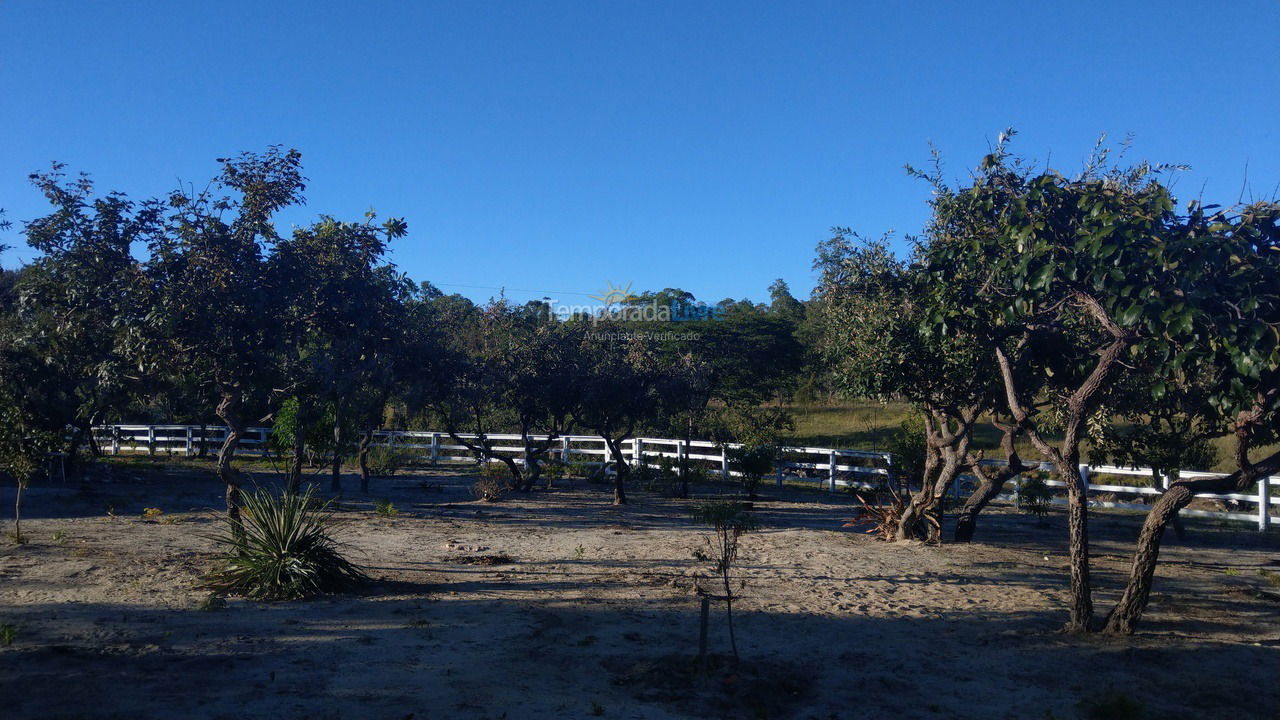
(1112, 704)
(579, 467)
(753, 461)
(151, 513)
(1034, 496)
(282, 550)
(489, 489)
(385, 508)
(384, 460)
(8, 631)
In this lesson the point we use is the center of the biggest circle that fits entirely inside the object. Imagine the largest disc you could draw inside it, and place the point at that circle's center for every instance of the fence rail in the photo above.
(829, 468)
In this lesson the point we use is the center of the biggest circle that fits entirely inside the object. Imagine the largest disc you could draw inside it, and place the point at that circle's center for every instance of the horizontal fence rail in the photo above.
(830, 468)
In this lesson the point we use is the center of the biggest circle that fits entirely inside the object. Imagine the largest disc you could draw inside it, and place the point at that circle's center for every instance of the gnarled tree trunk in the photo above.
(1128, 611)
(620, 470)
(990, 485)
(229, 411)
(335, 470)
(365, 440)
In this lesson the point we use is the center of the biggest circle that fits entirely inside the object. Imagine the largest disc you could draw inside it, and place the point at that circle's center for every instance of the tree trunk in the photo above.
(17, 512)
(335, 477)
(95, 450)
(228, 410)
(620, 471)
(299, 448)
(1128, 611)
(911, 514)
(990, 485)
(1078, 542)
(365, 440)
(204, 442)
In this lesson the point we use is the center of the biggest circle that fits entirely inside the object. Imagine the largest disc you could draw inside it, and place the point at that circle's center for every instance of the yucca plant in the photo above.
(282, 550)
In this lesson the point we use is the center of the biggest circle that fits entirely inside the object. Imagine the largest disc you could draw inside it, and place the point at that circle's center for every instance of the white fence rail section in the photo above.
(830, 468)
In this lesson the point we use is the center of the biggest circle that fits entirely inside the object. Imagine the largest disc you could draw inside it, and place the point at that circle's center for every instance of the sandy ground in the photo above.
(596, 615)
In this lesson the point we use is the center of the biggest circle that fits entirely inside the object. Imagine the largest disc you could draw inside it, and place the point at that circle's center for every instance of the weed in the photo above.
(385, 508)
(579, 552)
(8, 631)
(152, 513)
(1111, 704)
(212, 602)
(59, 536)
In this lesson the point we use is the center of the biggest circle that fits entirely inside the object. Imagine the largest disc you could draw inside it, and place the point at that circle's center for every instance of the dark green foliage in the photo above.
(284, 552)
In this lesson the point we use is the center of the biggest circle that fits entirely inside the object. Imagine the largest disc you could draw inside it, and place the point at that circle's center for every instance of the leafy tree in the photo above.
(214, 309)
(1219, 354)
(619, 390)
(1084, 282)
(343, 312)
(80, 304)
(871, 307)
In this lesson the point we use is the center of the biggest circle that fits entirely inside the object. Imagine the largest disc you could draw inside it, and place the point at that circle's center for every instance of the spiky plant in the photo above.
(283, 551)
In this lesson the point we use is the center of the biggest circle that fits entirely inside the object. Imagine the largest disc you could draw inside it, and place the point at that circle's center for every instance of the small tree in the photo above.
(214, 310)
(729, 522)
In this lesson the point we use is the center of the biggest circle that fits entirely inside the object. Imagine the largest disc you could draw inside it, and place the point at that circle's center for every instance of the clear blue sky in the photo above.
(559, 145)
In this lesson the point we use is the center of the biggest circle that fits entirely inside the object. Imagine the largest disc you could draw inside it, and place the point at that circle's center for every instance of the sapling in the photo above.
(729, 521)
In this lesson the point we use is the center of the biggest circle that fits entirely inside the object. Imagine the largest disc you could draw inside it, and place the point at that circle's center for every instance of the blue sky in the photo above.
(552, 146)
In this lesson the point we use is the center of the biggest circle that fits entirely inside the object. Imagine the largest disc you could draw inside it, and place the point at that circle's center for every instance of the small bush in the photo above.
(8, 631)
(1112, 705)
(212, 602)
(496, 471)
(489, 489)
(385, 508)
(282, 551)
(579, 468)
(152, 513)
(384, 461)
(1034, 496)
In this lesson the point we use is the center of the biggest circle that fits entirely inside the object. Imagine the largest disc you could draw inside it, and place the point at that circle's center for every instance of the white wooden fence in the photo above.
(829, 468)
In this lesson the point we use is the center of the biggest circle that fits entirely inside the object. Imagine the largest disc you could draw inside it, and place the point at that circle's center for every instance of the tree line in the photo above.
(1059, 309)
(195, 308)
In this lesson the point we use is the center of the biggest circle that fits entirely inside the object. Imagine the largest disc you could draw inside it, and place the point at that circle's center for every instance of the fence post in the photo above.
(1264, 504)
(1084, 482)
(781, 463)
(637, 452)
(564, 450)
(151, 440)
(190, 444)
(724, 462)
(682, 457)
(435, 448)
(115, 440)
(831, 464)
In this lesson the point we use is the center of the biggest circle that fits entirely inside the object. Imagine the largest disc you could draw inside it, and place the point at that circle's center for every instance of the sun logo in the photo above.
(614, 294)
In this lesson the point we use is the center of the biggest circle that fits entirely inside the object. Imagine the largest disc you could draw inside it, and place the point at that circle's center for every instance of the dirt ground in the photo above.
(593, 612)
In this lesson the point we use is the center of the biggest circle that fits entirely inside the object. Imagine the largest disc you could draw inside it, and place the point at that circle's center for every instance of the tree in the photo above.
(1070, 283)
(81, 303)
(618, 390)
(871, 307)
(343, 310)
(214, 311)
(1221, 354)
(729, 521)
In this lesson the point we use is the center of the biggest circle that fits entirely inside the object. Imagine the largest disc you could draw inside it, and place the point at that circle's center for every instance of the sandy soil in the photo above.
(596, 614)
